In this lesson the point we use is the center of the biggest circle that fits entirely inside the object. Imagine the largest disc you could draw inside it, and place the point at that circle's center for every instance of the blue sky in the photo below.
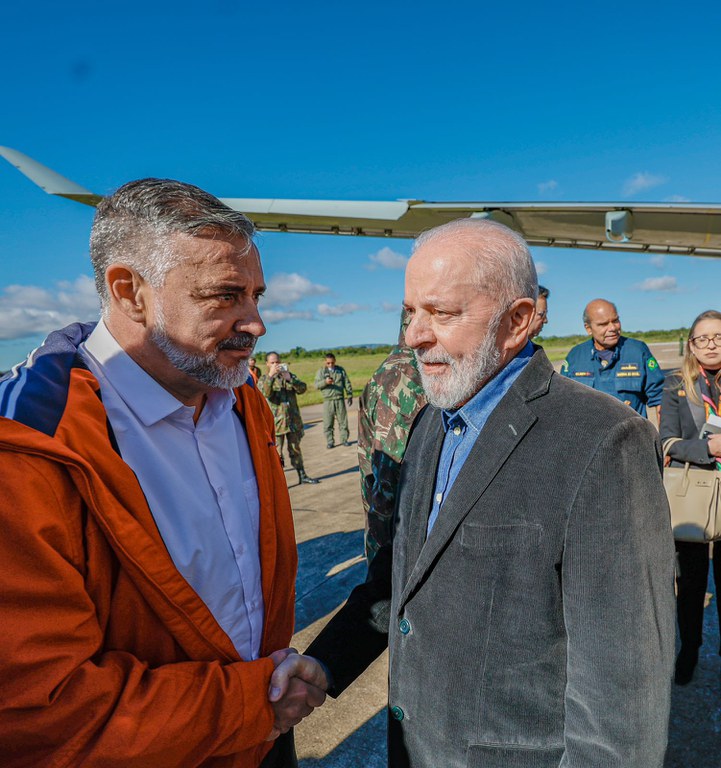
(365, 101)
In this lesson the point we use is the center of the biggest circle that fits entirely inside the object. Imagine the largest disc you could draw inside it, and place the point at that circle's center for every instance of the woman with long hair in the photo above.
(689, 398)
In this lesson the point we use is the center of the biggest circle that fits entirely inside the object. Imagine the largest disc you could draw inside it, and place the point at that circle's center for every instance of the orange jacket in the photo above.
(107, 656)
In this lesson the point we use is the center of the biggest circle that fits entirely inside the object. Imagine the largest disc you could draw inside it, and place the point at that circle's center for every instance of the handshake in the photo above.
(297, 687)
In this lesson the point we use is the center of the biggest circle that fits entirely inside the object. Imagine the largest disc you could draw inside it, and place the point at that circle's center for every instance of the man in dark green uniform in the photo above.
(334, 384)
(387, 408)
(280, 388)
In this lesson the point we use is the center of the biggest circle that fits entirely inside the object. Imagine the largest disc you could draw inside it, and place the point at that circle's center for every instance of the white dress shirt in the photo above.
(199, 482)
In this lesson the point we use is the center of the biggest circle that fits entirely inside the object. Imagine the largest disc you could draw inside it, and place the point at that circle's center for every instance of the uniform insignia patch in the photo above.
(652, 364)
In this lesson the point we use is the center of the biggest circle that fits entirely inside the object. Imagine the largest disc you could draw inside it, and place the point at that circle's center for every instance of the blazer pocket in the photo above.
(503, 756)
(511, 537)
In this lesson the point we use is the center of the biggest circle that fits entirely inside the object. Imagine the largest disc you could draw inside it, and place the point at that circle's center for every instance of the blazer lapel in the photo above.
(698, 412)
(423, 486)
(503, 431)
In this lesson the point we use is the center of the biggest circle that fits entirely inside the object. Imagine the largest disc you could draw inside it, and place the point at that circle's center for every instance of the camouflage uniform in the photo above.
(281, 397)
(387, 408)
(333, 402)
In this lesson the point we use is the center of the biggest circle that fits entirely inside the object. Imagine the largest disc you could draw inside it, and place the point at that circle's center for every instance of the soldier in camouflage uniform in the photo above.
(280, 387)
(334, 384)
(387, 408)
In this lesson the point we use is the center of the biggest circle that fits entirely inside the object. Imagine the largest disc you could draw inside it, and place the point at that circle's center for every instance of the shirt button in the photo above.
(397, 713)
(457, 431)
(439, 497)
(405, 626)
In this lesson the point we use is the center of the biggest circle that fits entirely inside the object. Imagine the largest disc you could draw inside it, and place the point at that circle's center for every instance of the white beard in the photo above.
(466, 375)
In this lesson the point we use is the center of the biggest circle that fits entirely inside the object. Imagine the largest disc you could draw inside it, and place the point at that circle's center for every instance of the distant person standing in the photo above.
(691, 396)
(253, 369)
(334, 384)
(614, 364)
(387, 409)
(541, 316)
(280, 388)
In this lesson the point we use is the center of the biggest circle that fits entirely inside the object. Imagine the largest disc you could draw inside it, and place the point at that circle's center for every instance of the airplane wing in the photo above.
(670, 228)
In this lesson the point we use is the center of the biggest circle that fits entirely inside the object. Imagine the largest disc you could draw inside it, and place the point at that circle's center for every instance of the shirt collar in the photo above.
(616, 351)
(475, 412)
(142, 394)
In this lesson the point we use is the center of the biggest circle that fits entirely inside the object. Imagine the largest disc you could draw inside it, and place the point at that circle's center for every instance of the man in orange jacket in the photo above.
(148, 549)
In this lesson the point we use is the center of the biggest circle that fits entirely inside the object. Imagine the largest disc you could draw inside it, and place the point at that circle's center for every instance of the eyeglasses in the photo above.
(703, 341)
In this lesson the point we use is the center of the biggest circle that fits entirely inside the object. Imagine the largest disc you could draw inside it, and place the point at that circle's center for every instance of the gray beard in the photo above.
(466, 375)
(204, 368)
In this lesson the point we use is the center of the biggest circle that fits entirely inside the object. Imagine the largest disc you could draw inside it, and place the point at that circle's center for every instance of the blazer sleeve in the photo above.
(68, 700)
(618, 606)
(357, 635)
(690, 448)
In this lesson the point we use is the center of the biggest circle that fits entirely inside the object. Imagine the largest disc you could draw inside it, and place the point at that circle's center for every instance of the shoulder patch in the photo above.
(651, 363)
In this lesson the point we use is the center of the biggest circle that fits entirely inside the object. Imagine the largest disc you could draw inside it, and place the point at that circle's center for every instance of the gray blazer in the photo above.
(534, 628)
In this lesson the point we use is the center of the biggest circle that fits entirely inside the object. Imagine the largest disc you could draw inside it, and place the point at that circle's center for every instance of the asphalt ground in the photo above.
(350, 732)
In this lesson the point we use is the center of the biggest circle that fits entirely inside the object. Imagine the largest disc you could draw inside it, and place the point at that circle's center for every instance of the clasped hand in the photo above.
(297, 687)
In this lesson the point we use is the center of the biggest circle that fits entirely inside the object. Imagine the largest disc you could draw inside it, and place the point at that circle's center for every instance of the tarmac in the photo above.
(350, 732)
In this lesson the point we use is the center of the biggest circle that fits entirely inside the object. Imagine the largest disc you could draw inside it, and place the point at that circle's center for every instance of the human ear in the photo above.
(127, 291)
(518, 320)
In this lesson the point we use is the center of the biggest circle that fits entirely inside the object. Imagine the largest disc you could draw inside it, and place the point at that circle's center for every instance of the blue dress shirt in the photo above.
(463, 426)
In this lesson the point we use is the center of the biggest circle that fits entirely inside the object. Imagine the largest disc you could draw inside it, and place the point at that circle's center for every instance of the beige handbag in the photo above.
(694, 498)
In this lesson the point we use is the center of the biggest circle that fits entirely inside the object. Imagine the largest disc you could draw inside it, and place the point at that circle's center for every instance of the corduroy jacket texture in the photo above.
(534, 626)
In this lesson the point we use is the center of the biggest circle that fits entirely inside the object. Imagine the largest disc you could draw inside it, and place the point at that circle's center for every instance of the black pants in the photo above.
(283, 753)
(691, 582)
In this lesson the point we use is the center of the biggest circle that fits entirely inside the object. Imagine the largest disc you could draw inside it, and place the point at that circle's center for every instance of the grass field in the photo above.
(358, 367)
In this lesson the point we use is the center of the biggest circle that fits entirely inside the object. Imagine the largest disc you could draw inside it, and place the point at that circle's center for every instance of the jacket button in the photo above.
(405, 626)
(397, 713)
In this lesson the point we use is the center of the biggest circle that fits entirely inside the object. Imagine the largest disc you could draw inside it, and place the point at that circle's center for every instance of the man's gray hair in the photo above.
(504, 267)
(134, 226)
